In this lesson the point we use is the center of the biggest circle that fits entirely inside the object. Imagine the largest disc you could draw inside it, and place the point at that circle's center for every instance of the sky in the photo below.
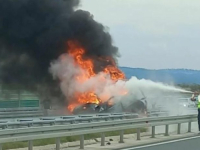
(152, 34)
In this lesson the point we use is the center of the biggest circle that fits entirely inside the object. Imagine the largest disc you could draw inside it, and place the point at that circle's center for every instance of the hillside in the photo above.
(177, 76)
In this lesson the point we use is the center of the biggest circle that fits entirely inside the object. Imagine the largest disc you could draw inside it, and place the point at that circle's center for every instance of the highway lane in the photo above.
(190, 143)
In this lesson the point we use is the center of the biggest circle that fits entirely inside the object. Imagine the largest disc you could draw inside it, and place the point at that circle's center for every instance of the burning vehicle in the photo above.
(121, 104)
(139, 107)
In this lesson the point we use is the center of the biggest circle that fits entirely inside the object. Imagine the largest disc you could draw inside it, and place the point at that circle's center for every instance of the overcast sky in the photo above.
(152, 34)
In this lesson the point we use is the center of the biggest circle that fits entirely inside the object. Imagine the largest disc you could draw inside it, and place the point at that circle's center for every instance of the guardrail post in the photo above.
(153, 132)
(30, 145)
(82, 142)
(57, 143)
(138, 134)
(102, 139)
(189, 126)
(167, 130)
(121, 139)
(179, 128)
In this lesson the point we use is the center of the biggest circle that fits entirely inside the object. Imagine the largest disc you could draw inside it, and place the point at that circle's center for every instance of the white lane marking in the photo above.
(161, 143)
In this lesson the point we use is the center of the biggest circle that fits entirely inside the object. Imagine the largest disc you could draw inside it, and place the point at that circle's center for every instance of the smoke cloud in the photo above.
(34, 32)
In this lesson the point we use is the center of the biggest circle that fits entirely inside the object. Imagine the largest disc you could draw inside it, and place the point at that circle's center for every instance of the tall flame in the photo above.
(87, 65)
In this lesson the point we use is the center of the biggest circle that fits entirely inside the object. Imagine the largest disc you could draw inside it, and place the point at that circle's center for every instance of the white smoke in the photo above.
(65, 70)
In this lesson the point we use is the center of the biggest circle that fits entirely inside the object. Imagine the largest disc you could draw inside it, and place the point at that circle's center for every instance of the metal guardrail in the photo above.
(12, 113)
(19, 109)
(158, 114)
(81, 128)
(63, 120)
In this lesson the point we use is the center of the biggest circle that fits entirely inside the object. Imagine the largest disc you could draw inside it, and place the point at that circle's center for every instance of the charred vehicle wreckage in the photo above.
(123, 104)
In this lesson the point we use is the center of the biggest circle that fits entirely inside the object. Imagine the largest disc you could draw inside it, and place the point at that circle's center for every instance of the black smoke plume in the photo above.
(34, 32)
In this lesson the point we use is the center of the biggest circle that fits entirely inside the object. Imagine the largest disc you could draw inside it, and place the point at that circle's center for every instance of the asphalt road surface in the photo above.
(190, 143)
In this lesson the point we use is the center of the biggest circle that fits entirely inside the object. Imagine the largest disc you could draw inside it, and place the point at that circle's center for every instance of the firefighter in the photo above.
(196, 98)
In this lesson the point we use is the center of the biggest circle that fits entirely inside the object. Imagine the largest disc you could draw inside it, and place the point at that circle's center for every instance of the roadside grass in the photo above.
(43, 142)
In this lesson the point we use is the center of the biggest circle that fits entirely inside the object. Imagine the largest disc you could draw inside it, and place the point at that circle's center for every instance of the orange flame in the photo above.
(77, 52)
